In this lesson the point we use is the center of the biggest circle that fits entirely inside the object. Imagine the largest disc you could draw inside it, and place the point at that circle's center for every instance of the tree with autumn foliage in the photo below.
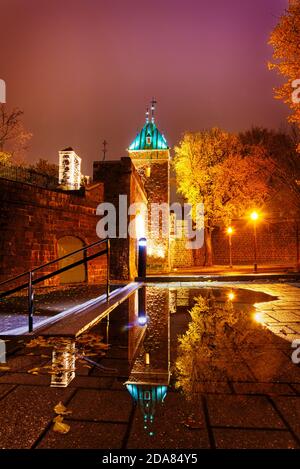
(285, 40)
(213, 167)
(14, 139)
(284, 181)
(219, 340)
(43, 166)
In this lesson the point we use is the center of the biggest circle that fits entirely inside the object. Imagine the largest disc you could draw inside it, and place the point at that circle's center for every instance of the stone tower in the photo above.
(150, 155)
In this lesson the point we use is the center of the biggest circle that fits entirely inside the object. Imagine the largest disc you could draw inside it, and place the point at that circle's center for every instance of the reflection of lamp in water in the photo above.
(142, 316)
(142, 320)
(231, 296)
(63, 364)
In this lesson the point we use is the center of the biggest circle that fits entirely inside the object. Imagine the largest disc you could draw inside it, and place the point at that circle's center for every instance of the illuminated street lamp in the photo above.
(254, 217)
(231, 296)
(230, 231)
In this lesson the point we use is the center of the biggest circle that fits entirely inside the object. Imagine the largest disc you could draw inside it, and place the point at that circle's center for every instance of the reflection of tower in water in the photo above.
(150, 374)
(147, 396)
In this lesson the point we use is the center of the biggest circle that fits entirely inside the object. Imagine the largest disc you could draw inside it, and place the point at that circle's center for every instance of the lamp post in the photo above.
(230, 232)
(142, 258)
(254, 217)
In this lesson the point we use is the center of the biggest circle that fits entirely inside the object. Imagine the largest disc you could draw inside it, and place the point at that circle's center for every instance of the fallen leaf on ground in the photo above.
(58, 418)
(192, 425)
(33, 371)
(60, 427)
(61, 409)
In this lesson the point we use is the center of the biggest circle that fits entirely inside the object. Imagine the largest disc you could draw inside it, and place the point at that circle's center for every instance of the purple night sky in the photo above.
(84, 70)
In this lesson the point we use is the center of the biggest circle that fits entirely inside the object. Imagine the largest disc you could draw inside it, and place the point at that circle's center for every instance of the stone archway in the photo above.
(65, 245)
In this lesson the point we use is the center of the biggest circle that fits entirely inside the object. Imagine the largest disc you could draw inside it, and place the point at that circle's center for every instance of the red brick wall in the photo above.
(121, 177)
(157, 189)
(33, 219)
(276, 244)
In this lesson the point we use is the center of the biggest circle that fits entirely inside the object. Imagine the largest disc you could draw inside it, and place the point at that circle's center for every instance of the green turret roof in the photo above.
(149, 138)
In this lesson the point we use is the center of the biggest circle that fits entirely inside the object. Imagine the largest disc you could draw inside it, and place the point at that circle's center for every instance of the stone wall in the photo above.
(154, 169)
(180, 256)
(276, 245)
(33, 219)
(121, 177)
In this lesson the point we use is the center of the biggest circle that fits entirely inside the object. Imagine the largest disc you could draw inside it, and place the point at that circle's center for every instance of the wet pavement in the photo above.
(250, 398)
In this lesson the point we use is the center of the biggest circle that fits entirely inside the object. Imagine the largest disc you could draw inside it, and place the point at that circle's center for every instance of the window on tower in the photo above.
(148, 139)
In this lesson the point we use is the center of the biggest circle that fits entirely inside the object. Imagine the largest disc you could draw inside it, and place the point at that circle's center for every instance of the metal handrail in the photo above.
(31, 281)
(28, 176)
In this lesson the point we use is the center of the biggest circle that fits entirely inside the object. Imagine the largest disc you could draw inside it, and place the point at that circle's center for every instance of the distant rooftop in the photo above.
(68, 149)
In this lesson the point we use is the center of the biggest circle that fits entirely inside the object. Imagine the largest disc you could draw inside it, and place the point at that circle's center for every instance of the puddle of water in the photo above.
(183, 338)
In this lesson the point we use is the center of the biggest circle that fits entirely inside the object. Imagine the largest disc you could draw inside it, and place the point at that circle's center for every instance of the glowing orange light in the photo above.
(229, 230)
(258, 317)
(231, 296)
(254, 216)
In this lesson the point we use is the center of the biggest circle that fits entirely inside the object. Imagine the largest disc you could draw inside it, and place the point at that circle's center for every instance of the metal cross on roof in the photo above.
(104, 149)
(153, 103)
